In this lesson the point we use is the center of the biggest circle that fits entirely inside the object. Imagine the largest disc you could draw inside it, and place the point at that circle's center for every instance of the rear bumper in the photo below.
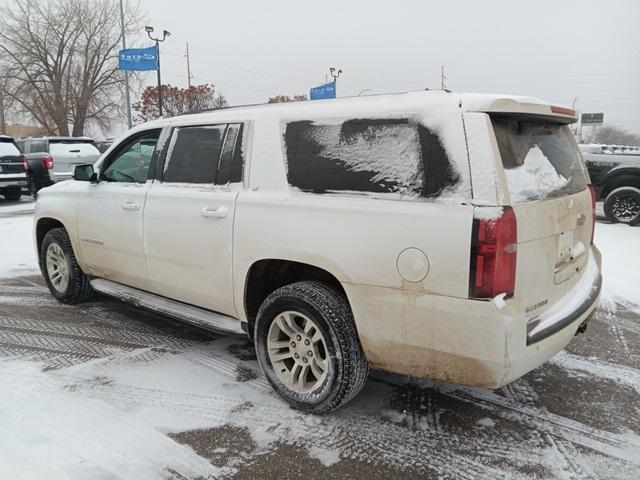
(462, 341)
(557, 324)
(13, 180)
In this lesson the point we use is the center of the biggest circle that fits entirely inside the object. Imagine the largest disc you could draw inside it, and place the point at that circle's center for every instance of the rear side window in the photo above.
(205, 154)
(380, 156)
(540, 159)
(194, 154)
(8, 148)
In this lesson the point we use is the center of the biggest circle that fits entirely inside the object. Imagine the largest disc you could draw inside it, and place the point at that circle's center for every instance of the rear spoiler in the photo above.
(543, 111)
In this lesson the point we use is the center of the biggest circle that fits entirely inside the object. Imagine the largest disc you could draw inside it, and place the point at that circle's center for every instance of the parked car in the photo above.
(12, 174)
(429, 234)
(65, 152)
(38, 167)
(617, 178)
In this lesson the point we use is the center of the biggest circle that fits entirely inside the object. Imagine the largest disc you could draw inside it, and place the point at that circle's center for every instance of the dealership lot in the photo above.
(104, 389)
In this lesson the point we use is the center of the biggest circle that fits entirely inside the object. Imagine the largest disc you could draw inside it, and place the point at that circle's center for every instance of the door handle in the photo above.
(128, 205)
(221, 212)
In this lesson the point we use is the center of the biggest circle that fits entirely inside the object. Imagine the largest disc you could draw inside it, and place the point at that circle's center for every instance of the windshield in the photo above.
(72, 147)
(8, 148)
(540, 159)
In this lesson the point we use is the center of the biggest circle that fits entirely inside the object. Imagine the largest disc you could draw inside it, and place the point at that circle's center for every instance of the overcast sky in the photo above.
(554, 49)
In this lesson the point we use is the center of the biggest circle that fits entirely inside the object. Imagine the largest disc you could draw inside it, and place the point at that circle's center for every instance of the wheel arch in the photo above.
(42, 227)
(620, 177)
(265, 276)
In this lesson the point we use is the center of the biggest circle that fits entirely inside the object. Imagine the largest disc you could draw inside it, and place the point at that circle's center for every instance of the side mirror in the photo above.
(85, 173)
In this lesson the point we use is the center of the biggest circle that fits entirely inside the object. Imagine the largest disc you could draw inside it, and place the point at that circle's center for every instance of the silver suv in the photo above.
(66, 152)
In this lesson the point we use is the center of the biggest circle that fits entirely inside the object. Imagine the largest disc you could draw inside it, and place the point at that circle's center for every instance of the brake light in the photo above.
(25, 163)
(493, 256)
(47, 163)
(594, 195)
(563, 111)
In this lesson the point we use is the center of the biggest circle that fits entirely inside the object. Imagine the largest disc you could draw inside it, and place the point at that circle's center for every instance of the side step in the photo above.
(188, 313)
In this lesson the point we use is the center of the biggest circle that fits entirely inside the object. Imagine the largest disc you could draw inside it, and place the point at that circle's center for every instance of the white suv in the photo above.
(426, 234)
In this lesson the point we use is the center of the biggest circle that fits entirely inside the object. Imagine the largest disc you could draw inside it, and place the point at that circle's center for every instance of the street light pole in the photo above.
(126, 73)
(165, 34)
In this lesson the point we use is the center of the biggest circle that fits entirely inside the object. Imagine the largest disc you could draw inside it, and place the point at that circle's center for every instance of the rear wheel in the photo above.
(308, 347)
(61, 271)
(622, 205)
(12, 194)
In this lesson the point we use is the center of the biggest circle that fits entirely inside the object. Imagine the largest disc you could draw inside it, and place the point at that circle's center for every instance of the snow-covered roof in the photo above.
(377, 104)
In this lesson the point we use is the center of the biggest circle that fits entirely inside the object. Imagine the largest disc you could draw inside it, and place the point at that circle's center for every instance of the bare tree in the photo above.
(60, 57)
(176, 101)
(614, 136)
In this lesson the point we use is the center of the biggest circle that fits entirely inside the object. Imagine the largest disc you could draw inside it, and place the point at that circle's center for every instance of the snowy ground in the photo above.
(105, 391)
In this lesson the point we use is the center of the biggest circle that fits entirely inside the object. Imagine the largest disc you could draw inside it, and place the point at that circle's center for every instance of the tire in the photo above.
(341, 354)
(76, 288)
(13, 194)
(622, 205)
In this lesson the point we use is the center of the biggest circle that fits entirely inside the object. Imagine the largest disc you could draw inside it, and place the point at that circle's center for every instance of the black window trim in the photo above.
(124, 145)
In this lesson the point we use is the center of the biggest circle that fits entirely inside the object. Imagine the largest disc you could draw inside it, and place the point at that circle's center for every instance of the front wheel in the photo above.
(66, 281)
(308, 347)
(623, 206)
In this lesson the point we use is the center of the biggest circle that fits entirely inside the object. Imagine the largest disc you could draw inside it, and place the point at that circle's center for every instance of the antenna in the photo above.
(443, 77)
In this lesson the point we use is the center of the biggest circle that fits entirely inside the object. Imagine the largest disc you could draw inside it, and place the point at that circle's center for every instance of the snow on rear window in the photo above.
(540, 159)
(535, 178)
(8, 148)
(383, 156)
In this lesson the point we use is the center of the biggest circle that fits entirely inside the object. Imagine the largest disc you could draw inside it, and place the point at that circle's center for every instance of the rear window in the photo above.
(66, 147)
(379, 156)
(8, 148)
(540, 159)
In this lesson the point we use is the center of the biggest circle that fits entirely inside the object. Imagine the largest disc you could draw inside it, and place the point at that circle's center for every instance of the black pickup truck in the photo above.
(617, 181)
(39, 168)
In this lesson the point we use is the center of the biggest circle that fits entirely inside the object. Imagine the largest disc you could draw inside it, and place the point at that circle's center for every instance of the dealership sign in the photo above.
(592, 119)
(327, 90)
(138, 59)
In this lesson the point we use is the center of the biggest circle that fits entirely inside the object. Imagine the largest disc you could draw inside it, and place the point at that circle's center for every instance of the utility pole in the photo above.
(443, 86)
(165, 34)
(126, 73)
(188, 67)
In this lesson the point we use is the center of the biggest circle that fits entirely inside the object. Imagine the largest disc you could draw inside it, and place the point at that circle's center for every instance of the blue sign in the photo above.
(328, 90)
(138, 59)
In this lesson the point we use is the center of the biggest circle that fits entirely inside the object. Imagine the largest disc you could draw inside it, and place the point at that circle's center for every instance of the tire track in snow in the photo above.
(46, 342)
(599, 368)
(611, 444)
(91, 333)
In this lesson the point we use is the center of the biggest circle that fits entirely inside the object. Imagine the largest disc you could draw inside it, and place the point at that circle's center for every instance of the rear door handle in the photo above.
(221, 212)
(128, 205)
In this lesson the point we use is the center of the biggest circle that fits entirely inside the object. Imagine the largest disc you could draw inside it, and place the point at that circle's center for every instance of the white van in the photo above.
(429, 234)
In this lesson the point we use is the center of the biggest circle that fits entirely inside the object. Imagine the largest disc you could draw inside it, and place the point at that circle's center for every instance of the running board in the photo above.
(188, 313)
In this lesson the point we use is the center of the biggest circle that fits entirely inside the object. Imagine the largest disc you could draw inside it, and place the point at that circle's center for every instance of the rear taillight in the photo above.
(493, 256)
(47, 163)
(594, 195)
(25, 163)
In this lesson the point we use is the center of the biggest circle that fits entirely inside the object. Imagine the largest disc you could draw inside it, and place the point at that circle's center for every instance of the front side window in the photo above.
(397, 156)
(131, 163)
